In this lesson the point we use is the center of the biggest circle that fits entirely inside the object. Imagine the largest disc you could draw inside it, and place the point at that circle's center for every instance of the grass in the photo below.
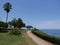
(22, 39)
(45, 36)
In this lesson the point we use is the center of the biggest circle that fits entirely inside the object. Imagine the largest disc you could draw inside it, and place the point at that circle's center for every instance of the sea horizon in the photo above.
(52, 32)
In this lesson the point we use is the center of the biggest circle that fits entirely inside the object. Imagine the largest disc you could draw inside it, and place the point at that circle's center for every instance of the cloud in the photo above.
(49, 25)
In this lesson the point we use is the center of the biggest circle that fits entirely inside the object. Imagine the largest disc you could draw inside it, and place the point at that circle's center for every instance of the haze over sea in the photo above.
(52, 32)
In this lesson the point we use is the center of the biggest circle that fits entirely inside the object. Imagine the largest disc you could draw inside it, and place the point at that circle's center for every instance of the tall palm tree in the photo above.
(7, 6)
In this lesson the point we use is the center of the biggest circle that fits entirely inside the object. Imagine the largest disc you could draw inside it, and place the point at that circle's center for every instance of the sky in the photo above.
(42, 14)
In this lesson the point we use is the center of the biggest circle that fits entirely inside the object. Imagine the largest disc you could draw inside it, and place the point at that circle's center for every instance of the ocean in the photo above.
(52, 32)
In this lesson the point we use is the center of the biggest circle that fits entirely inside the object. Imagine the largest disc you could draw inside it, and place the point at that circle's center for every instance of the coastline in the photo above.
(47, 37)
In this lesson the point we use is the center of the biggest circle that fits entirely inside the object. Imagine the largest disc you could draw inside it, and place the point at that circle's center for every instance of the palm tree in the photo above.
(7, 6)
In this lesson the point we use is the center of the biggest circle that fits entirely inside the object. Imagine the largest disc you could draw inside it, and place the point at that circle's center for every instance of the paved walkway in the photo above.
(38, 40)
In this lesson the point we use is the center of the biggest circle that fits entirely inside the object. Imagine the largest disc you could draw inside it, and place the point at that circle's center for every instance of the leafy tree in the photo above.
(20, 23)
(14, 22)
(29, 27)
(9, 22)
(3, 24)
(17, 23)
(7, 6)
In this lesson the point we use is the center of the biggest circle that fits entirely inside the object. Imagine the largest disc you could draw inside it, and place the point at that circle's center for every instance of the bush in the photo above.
(44, 36)
(15, 31)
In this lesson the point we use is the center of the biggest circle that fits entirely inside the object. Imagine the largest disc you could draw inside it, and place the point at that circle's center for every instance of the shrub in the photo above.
(15, 31)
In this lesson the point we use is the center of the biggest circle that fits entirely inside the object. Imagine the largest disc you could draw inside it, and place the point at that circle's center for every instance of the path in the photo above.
(38, 40)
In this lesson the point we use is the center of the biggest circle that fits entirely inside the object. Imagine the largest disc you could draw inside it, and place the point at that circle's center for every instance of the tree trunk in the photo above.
(6, 17)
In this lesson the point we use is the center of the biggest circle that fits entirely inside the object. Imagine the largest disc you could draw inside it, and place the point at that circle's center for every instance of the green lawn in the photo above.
(23, 39)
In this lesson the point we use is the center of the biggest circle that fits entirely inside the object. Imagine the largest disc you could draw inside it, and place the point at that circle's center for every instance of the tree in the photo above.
(10, 23)
(7, 6)
(29, 27)
(20, 23)
(3, 24)
(17, 23)
(14, 22)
